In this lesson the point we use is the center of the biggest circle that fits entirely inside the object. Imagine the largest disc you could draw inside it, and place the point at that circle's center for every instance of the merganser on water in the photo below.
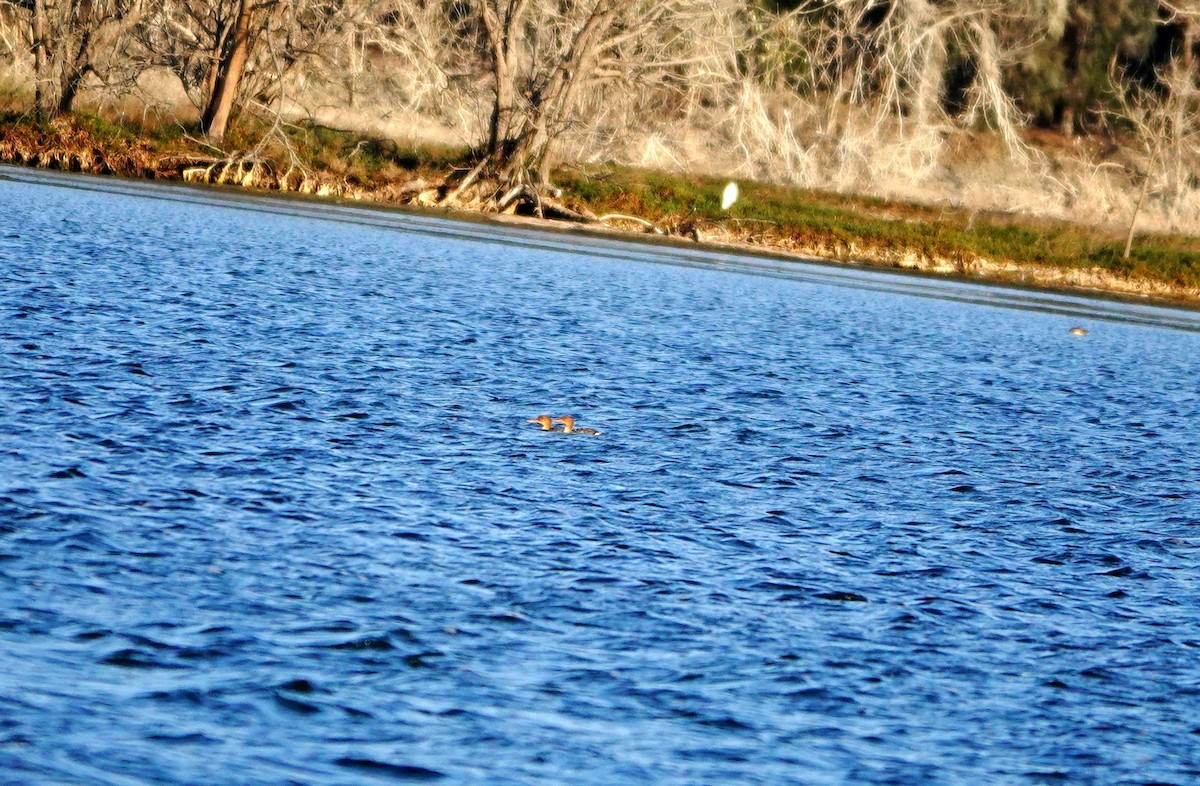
(1078, 331)
(544, 421)
(569, 426)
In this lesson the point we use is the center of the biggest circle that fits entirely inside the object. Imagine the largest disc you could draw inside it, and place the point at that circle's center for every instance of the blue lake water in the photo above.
(270, 511)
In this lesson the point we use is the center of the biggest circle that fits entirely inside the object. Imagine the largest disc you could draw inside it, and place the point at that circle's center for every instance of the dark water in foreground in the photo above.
(270, 513)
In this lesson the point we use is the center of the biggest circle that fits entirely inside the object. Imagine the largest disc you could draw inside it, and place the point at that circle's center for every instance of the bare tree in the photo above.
(232, 52)
(844, 93)
(894, 55)
(75, 39)
(545, 56)
(541, 54)
(225, 71)
(1165, 120)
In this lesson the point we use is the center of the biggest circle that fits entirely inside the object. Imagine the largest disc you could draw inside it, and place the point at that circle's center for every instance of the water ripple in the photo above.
(269, 506)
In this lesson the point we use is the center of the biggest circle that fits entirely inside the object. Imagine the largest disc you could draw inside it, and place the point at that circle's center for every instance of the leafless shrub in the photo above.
(71, 41)
(843, 94)
(1165, 124)
(239, 54)
(397, 65)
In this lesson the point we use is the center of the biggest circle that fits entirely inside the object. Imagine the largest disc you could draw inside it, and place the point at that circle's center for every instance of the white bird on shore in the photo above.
(729, 196)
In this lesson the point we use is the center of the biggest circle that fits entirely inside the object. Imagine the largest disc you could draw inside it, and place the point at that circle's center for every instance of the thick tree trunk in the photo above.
(71, 82)
(214, 66)
(503, 107)
(229, 76)
(41, 99)
(73, 74)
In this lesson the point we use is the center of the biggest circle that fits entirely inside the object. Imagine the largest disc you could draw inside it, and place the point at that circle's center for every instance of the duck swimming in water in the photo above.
(1078, 331)
(569, 426)
(544, 421)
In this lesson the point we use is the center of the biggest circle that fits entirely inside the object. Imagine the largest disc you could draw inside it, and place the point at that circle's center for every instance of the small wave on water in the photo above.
(270, 510)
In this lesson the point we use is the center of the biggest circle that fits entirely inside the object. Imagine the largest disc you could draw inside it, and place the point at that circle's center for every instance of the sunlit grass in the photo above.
(865, 224)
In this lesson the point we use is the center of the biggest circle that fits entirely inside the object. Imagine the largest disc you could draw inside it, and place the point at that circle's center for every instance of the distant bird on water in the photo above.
(1078, 331)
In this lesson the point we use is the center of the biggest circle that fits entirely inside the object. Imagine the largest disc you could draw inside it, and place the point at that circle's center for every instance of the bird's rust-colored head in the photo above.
(543, 421)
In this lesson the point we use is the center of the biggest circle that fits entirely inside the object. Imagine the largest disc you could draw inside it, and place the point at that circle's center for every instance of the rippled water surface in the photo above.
(270, 512)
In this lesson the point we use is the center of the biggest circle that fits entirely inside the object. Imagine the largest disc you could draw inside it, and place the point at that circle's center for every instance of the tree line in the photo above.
(811, 82)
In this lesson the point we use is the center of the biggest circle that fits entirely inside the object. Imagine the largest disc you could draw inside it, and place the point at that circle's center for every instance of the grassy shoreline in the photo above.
(779, 221)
